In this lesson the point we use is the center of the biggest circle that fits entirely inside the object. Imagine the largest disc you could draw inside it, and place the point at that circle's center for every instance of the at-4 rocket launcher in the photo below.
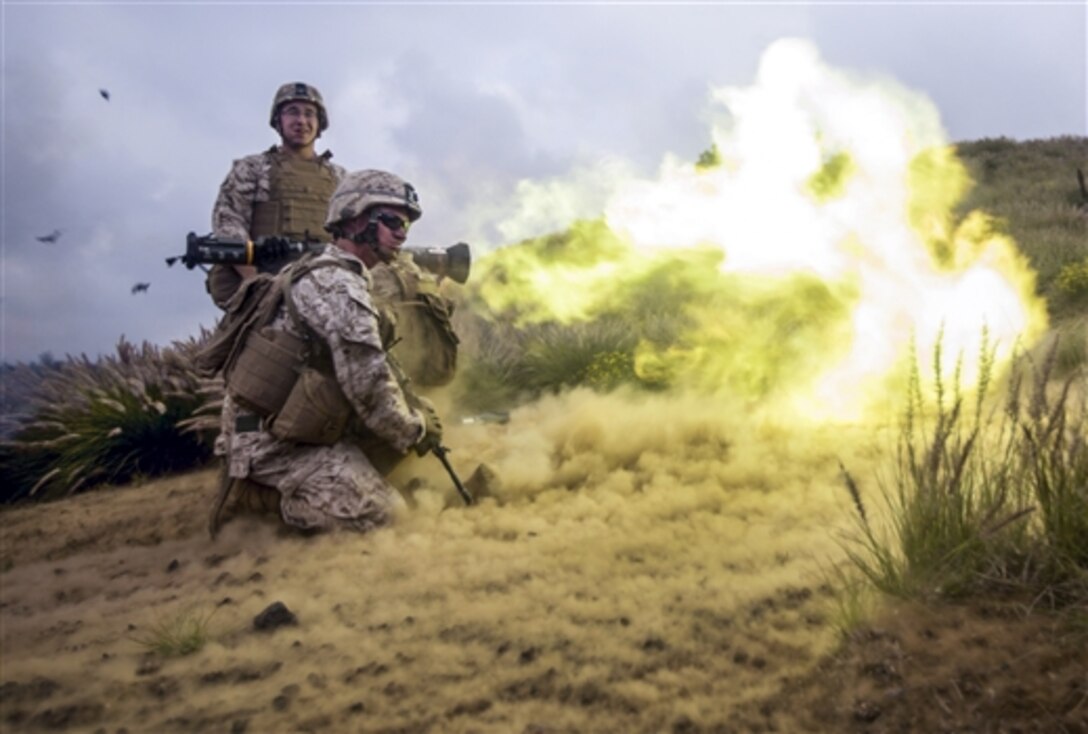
(452, 262)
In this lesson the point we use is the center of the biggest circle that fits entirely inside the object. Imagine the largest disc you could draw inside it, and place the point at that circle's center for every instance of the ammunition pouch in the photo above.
(266, 370)
(316, 411)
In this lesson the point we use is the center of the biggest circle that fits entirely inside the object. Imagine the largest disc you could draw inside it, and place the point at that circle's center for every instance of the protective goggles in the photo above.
(393, 222)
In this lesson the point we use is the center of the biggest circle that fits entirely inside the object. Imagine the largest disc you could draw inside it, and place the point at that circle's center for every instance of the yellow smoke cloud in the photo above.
(803, 266)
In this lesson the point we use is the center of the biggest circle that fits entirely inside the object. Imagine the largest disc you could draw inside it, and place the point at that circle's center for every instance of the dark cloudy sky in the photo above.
(465, 100)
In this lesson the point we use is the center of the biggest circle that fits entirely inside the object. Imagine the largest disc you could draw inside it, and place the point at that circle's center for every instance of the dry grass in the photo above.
(982, 503)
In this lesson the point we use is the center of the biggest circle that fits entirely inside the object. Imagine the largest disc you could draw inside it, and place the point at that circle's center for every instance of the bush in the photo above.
(1073, 279)
(109, 420)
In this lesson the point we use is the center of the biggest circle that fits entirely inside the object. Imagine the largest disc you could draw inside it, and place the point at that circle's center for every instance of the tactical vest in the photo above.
(299, 192)
(298, 199)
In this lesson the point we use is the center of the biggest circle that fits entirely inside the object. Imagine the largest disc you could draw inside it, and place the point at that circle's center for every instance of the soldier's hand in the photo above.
(432, 425)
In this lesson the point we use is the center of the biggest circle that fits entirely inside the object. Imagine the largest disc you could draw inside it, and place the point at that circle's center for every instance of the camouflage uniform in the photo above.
(274, 193)
(326, 486)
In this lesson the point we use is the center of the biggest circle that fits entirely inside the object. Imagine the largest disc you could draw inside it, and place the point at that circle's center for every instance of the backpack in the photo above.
(426, 344)
(253, 304)
(286, 379)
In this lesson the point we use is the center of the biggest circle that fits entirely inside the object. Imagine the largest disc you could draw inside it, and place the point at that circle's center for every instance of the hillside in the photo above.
(672, 580)
(642, 558)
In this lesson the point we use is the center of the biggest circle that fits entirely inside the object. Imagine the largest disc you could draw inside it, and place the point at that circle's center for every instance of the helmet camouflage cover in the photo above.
(360, 190)
(299, 92)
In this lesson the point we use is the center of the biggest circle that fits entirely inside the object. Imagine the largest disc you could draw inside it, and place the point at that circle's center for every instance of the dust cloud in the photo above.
(639, 557)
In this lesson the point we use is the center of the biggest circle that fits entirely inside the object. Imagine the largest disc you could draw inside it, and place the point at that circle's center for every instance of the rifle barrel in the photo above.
(440, 452)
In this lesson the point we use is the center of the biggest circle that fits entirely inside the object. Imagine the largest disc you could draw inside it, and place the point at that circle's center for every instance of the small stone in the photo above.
(653, 643)
(867, 712)
(148, 665)
(275, 615)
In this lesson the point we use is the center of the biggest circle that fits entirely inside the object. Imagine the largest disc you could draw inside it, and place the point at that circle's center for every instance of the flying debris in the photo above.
(51, 237)
(140, 288)
(105, 94)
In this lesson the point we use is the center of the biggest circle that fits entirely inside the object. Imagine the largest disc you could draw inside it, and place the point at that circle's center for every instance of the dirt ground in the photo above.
(634, 593)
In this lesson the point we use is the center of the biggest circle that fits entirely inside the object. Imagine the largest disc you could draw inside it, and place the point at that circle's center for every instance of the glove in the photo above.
(432, 428)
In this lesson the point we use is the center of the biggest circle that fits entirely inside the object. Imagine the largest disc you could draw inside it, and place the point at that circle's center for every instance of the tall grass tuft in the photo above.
(108, 420)
(1053, 459)
(982, 499)
(183, 633)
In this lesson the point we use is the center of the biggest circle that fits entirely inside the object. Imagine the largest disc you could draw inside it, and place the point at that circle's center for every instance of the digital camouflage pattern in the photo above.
(328, 486)
(360, 190)
(249, 182)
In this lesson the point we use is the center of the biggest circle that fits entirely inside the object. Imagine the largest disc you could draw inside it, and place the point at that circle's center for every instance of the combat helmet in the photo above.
(299, 92)
(360, 190)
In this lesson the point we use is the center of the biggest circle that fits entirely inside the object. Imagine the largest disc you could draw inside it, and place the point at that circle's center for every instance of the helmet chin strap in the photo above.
(368, 236)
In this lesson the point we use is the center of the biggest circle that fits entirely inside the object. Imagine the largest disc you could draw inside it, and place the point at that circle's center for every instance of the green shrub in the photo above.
(1073, 279)
(109, 420)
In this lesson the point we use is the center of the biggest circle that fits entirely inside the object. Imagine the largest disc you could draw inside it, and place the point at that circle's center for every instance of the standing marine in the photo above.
(283, 191)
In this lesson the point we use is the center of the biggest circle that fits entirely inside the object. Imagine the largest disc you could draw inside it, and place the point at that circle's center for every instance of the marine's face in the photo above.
(391, 230)
(376, 235)
(299, 124)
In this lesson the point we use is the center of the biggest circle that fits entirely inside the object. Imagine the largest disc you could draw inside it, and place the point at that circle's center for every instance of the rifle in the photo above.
(452, 262)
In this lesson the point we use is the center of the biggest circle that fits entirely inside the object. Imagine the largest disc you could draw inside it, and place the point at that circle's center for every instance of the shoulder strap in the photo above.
(408, 290)
(287, 278)
(295, 273)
